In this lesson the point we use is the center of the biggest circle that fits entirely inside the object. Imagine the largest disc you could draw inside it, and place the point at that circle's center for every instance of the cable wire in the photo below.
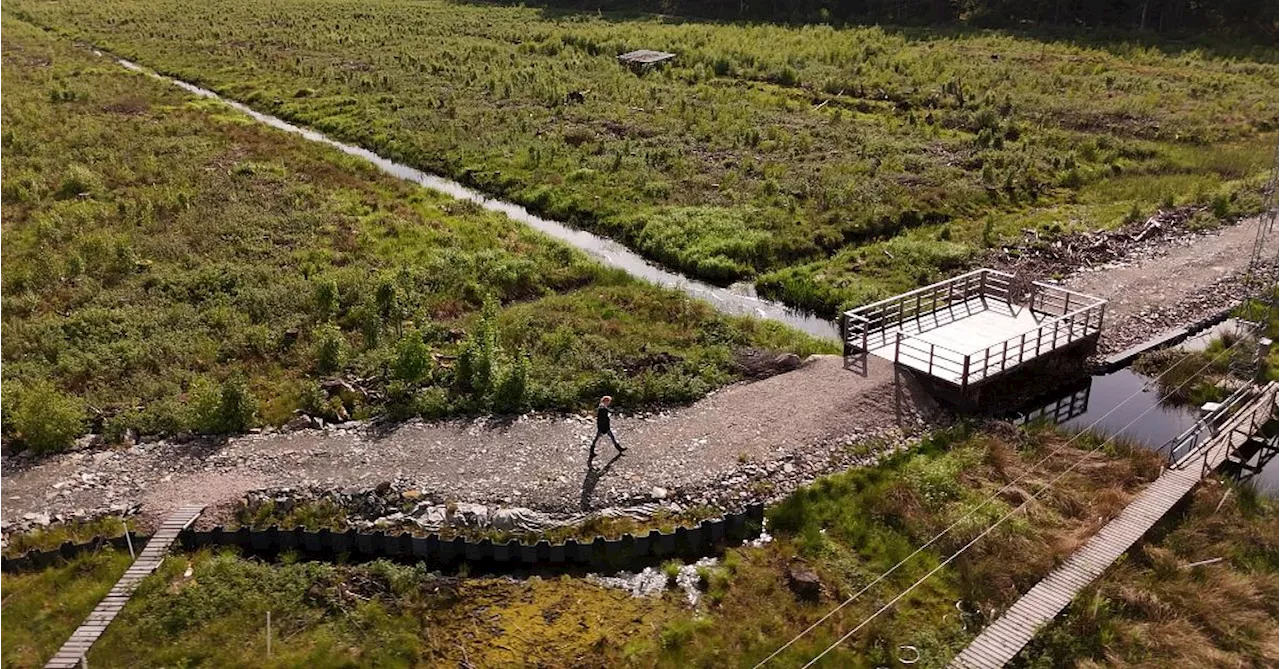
(967, 515)
(1005, 517)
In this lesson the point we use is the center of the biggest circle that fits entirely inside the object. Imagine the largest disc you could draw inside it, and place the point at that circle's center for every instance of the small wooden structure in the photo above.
(72, 653)
(973, 328)
(644, 59)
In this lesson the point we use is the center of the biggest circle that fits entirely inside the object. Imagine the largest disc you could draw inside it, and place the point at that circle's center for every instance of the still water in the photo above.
(1124, 403)
(738, 299)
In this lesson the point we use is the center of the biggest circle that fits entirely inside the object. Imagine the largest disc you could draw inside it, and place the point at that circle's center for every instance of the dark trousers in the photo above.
(611, 438)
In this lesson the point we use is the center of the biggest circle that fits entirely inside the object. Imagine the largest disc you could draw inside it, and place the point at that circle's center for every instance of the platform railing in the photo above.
(875, 325)
(1052, 334)
(1207, 427)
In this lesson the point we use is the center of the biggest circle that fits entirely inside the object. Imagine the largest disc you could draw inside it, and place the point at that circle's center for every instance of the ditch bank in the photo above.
(485, 555)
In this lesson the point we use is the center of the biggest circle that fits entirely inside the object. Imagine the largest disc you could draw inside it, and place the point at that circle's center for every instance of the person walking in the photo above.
(603, 427)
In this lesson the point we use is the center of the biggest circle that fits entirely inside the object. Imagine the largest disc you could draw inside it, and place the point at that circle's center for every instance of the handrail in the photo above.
(912, 293)
(1190, 437)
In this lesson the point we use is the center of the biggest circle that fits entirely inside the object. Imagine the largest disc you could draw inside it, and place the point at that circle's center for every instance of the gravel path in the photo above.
(790, 425)
(1181, 283)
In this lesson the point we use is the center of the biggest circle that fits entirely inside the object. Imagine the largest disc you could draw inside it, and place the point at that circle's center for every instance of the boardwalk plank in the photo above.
(96, 623)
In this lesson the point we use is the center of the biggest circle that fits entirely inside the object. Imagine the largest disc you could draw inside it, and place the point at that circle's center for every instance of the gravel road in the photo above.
(790, 424)
(1180, 283)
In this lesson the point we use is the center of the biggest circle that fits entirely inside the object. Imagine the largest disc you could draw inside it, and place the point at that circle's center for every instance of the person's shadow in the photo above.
(593, 477)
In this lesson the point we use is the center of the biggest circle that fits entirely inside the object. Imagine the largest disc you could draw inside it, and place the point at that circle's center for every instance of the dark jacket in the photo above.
(602, 418)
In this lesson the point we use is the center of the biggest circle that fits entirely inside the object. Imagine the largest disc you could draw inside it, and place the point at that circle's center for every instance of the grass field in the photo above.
(847, 528)
(831, 166)
(172, 267)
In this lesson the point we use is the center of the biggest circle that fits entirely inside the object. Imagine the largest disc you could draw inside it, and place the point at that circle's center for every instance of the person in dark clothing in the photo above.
(603, 427)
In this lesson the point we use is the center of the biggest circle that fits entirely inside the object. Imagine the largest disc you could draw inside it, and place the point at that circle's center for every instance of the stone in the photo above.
(659, 493)
(411, 494)
(804, 581)
(787, 362)
(299, 422)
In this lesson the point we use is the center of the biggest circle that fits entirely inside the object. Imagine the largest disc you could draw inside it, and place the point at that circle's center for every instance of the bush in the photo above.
(225, 408)
(413, 358)
(330, 349)
(79, 180)
(512, 391)
(46, 420)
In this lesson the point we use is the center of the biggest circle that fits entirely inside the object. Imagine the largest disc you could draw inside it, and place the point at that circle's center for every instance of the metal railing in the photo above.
(1207, 427)
(1080, 317)
(1196, 443)
(1064, 317)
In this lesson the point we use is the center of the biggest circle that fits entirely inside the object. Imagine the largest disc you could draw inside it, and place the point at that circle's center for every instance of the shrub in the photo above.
(326, 299)
(413, 358)
(45, 419)
(511, 395)
(225, 408)
(79, 179)
(330, 349)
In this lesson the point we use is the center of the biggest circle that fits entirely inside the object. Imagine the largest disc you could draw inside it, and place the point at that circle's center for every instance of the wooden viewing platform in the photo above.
(972, 328)
(72, 653)
(1230, 427)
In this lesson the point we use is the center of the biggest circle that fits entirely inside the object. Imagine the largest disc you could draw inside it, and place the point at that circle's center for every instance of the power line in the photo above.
(1005, 517)
(967, 515)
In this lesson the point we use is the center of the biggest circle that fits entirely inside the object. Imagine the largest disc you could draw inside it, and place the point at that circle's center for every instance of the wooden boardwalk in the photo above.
(72, 652)
(1003, 639)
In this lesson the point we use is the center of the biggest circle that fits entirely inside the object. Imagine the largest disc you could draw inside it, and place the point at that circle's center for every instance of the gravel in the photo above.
(743, 443)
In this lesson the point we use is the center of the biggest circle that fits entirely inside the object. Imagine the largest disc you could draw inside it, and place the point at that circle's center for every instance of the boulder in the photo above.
(804, 582)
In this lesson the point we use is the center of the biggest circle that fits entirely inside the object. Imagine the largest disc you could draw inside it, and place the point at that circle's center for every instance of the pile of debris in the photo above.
(391, 505)
(1061, 255)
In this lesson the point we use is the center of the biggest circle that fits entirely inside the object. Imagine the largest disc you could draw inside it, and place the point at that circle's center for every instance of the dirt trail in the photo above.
(790, 424)
(1188, 280)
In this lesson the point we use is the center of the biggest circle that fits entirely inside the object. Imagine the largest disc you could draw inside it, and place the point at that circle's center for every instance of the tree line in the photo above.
(1253, 19)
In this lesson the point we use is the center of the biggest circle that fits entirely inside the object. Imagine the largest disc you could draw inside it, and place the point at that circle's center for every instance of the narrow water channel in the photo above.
(739, 299)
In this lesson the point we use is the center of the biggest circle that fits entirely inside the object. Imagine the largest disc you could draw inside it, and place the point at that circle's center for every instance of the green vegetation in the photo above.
(847, 528)
(1156, 608)
(829, 165)
(77, 532)
(171, 267)
(42, 609)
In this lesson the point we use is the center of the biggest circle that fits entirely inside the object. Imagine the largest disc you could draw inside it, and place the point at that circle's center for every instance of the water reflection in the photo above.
(740, 299)
(1126, 404)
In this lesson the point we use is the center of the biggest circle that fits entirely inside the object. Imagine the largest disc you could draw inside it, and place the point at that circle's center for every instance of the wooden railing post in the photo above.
(964, 376)
(931, 348)
(897, 348)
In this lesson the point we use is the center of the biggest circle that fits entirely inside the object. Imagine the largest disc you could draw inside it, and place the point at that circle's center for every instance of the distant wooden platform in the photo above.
(1003, 639)
(645, 57)
(71, 653)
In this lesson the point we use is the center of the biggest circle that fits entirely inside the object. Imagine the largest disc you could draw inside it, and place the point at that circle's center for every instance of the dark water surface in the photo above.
(740, 299)
(1126, 404)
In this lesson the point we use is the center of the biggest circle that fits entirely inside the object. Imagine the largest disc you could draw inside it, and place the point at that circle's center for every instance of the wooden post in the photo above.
(128, 540)
(964, 376)
(268, 634)
(897, 348)
(986, 363)
(1055, 335)
(1022, 348)
(931, 347)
